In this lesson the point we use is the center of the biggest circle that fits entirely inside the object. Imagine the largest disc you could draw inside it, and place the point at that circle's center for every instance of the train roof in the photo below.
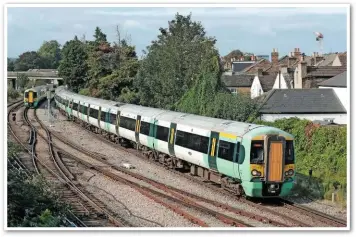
(37, 88)
(208, 123)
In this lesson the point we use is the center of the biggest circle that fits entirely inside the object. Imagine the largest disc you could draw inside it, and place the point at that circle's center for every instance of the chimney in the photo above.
(291, 61)
(317, 58)
(274, 56)
(300, 74)
(297, 53)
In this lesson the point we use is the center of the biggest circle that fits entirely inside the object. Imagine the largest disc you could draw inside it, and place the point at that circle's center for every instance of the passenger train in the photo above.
(252, 160)
(34, 95)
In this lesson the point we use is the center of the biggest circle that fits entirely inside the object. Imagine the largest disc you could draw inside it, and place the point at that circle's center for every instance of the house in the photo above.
(237, 83)
(338, 83)
(310, 76)
(311, 104)
(262, 83)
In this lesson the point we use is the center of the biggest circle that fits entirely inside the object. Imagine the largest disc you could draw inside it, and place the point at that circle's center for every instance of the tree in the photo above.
(10, 65)
(51, 53)
(22, 80)
(99, 36)
(174, 62)
(73, 66)
(29, 60)
(112, 68)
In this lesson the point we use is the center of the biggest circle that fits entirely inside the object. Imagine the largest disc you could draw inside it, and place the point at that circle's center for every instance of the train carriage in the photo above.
(255, 160)
(34, 95)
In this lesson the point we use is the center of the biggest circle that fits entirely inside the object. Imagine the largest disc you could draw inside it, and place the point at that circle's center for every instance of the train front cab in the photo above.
(30, 99)
(270, 171)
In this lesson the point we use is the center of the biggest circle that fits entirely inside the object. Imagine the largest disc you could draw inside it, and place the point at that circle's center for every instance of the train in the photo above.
(34, 95)
(250, 160)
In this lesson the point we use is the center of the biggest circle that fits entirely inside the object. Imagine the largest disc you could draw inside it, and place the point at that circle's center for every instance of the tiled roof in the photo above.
(239, 80)
(343, 59)
(324, 71)
(301, 101)
(336, 81)
(261, 64)
(267, 81)
(328, 60)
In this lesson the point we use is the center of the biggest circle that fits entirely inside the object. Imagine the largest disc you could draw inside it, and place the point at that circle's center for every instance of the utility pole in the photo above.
(49, 104)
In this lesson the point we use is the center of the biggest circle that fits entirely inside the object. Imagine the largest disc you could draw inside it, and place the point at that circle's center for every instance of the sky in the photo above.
(255, 30)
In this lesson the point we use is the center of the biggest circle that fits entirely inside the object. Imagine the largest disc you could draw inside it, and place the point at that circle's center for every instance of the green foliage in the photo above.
(31, 203)
(51, 53)
(12, 93)
(10, 65)
(29, 60)
(175, 62)
(73, 66)
(111, 68)
(22, 81)
(320, 148)
(85, 91)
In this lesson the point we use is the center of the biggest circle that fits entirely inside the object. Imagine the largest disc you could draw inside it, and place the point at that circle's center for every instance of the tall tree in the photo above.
(174, 61)
(99, 36)
(73, 66)
(123, 63)
(10, 65)
(29, 60)
(51, 53)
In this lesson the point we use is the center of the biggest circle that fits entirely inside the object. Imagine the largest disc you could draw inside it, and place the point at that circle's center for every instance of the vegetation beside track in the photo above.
(30, 201)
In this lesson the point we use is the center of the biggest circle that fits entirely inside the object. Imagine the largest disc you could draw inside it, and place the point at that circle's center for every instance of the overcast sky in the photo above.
(256, 30)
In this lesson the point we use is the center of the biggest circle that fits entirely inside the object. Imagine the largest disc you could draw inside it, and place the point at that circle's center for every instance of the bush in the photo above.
(12, 93)
(31, 202)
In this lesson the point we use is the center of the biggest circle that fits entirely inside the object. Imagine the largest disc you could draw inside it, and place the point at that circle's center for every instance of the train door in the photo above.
(171, 139)
(30, 98)
(275, 161)
(212, 152)
(137, 129)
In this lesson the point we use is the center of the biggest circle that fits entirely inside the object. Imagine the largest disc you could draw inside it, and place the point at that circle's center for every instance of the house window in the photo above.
(233, 90)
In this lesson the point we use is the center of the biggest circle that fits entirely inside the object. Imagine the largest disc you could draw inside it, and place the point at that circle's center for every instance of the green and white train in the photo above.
(253, 160)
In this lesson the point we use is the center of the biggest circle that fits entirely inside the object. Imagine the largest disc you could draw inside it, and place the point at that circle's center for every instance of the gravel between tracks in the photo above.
(118, 156)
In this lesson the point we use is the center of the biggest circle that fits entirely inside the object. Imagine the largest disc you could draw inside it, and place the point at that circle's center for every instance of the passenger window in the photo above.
(257, 154)
(226, 150)
(103, 116)
(162, 133)
(112, 119)
(145, 128)
(93, 113)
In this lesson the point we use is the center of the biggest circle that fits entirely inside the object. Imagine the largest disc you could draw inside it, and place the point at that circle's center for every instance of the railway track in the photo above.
(319, 216)
(158, 197)
(200, 199)
(330, 220)
(91, 211)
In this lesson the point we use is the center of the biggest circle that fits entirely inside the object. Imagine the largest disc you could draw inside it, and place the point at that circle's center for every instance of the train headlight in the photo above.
(255, 173)
(286, 173)
(290, 172)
